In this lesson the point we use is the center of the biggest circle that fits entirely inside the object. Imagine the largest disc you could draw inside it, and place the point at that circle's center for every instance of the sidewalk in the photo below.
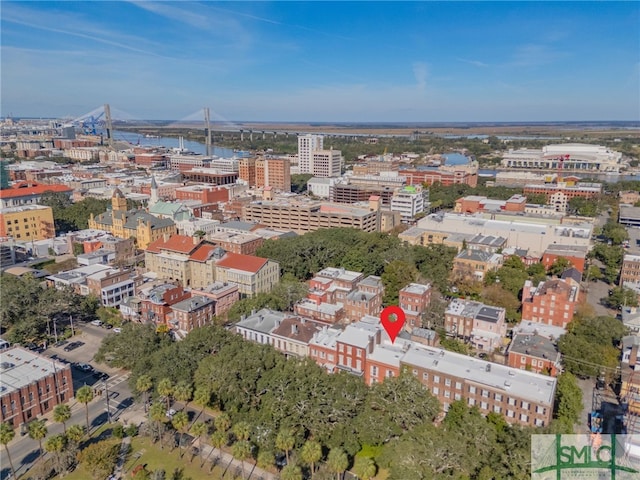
(122, 457)
(232, 466)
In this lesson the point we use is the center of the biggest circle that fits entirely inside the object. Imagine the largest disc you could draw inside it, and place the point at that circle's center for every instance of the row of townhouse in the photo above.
(364, 349)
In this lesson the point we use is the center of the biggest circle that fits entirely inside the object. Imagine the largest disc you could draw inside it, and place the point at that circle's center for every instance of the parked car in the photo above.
(85, 367)
(73, 346)
(97, 323)
(117, 330)
(170, 413)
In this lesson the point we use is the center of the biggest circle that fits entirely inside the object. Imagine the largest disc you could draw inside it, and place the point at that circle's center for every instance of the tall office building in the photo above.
(307, 144)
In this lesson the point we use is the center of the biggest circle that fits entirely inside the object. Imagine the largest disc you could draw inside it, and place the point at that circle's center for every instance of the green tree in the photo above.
(84, 395)
(158, 417)
(199, 429)
(144, 383)
(291, 472)
(285, 441)
(183, 392)
(180, 422)
(202, 397)
(37, 431)
(242, 430)
(242, 451)
(100, 458)
(6, 435)
(568, 404)
(337, 461)
(299, 182)
(165, 389)
(397, 275)
(56, 444)
(311, 454)
(266, 459)
(621, 297)
(222, 422)
(365, 468)
(559, 266)
(75, 434)
(62, 414)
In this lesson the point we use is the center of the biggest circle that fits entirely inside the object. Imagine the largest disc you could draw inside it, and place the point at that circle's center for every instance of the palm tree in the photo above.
(56, 445)
(242, 430)
(266, 459)
(311, 454)
(85, 395)
(37, 431)
(218, 440)
(199, 429)
(61, 414)
(365, 468)
(165, 389)
(158, 416)
(285, 440)
(183, 392)
(202, 397)
(242, 451)
(222, 422)
(6, 435)
(75, 433)
(291, 472)
(337, 461)
(144, 384)
(180, 422)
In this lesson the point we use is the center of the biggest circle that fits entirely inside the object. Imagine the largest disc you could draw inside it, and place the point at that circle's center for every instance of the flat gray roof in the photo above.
(20, 367)
(527, 385)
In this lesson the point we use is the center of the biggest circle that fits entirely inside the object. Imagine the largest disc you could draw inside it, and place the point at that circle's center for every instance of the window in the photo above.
(472, 402)
(415, 372)
(425, 376)
(483, 405)
(498, 397)
(457, 396)
(525, 405)
(458, 386)
(436, 390)
(349, 350)
(539, 423)
(472, 389)
(497, 409)
(511, 401)
(389, 373)
(511, 414)
(447, 394)
(436, 379)
(374, 370)
(541, 410)
(524, 418)
(447, 382)
(522, 359)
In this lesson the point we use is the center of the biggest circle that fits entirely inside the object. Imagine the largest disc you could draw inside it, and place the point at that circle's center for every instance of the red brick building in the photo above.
(474, 203)
(534, 353)
(32, 385)
(552, 302)
(446, 178)
(155, 307)
(576, 255)
(414, 299)
(225, 296)
(203, 194)
(193, 312)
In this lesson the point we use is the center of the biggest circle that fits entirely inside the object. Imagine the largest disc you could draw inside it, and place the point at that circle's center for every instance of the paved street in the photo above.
(24, 451)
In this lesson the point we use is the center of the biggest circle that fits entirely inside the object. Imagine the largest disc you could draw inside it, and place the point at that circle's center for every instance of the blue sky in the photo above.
(323, 61)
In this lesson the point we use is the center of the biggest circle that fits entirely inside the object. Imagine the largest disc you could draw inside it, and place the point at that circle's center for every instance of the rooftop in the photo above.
(263, 321)
(21, 367)
(534, 346)
(191, 304)
(297, 328)
(416, 288)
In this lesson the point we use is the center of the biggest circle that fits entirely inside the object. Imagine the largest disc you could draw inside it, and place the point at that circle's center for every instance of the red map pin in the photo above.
(392, 319)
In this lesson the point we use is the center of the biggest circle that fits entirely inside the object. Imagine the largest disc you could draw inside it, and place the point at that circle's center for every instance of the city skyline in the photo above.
(324, 61)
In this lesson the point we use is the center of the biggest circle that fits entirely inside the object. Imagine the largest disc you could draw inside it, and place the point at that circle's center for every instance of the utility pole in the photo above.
(71, 321)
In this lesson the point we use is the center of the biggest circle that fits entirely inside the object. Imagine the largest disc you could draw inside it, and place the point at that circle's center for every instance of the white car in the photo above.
(117, 330)
(171, 412)
(97, 323)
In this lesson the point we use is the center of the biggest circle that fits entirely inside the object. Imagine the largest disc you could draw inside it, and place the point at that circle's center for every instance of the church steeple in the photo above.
(154, 192)
(118, 201)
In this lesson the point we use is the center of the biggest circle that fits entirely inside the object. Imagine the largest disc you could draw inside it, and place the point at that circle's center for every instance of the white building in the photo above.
(321, 187)
(409, 201)
(570, 156)
(307, 144)
(192, 225)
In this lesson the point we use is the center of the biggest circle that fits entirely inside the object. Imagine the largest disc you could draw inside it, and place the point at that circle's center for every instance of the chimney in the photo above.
(294, 329)
(165, 237)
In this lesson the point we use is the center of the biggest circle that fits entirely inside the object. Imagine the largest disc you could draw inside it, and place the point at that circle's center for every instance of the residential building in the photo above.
(112, 286)
(534, 353)
(76, 279)
(409, 201)
(630, 271)
(355, 343)
(194, 312)
(323, 347)
(243, 243)
(253, 275)
(258, 326)
(29, 193)
(414, 299)
(485, 243)
(31, 385)
(483, 326)
(293, 334)
(552, 302)
(27, 222)
(326, 313)
(225, 295)
(577, 256)
(358, 304)
(156, 302)
(521, 397)
(124, 223)
(475, 264)
(273, 172)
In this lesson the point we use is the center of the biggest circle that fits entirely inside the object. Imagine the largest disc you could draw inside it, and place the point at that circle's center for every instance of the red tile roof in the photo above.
(203, 253)
(177, 243)
(24, 189)
(237, 261)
